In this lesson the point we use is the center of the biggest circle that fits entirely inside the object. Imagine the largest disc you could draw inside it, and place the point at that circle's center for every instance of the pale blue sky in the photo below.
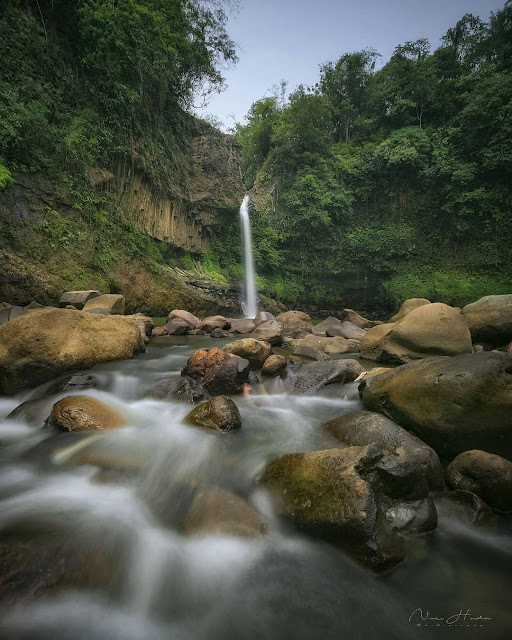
(289, 39)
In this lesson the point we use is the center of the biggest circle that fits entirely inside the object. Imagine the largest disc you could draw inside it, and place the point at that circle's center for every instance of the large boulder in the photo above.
(183, 389)
(347, 330)
(188, 317)
(321, 328)
(433, 329)
(44, 344)
(241, 325)
(263, 316)
(305, 352)
(256, 351)
(408, 306)
(311, 377)
(219, 372)
(213, 322)
(355, 318)
(452, 404)
(16, 312)
(82, 413)
(270, 331)
(490, 319)
(274, 366)
(177, 327)
(464, 506)
(295, 320)
(77, 298)
(108, 303)
(326, 494)
(407, 455)
(219, 413)
(485, 474)
(330, 346)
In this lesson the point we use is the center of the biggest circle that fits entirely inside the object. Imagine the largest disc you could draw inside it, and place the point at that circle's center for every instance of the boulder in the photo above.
(304, 352)
(220, 333)
(159, 331)
(33, 305)
(452, 404)
(330, 346)
(16, 312)
(274, 366)
(433, 329)
(108, 303)
(326, 494)
(347, 330)
(4, 315)
(408, 456)
(408, 306)
(177, 327)
(313, 376)
(464, 506)
(241, 325)
(295, 320)
(376, 371)
(256, 351)
(82, 413)
(188, 317)
(321, 328)
(181, 389)
(219, 372)
(46, 343)
(219, 413)
(146, 323)
(78, 298)
(213, 322)
(487, 475)
(412, 516)
(263, 316)
(270, 331)
(215, 511)
(352, 316)
(72, 383)
(490, 319)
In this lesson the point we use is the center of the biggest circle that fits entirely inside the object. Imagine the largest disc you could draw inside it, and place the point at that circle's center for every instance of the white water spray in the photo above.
(249, 305)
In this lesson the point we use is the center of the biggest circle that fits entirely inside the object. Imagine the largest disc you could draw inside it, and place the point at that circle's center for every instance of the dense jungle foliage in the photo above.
(394, 181)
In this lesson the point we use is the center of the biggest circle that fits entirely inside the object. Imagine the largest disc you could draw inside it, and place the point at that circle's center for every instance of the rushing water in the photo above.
(149, 581)
(250, 303)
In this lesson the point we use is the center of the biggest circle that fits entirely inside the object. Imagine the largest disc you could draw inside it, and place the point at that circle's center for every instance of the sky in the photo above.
(289, 39)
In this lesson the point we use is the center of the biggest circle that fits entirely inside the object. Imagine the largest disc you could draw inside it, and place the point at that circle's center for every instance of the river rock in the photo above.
(33, 411)
(371, 373)
(408, 455)
(183, 389)
(433, 329)
(321, 328)
(313, 376)
(188, 317)
(347, 330)
(215, 511)
(78, 298)
(4, 315)
(220, 333)
(490, 319)
(146, 323)
(352, 316)
(219, 413)
(408, 306)
(412, 516)
(295, 320)
(241, 325)
(177, 327)
(46, 343)
(213, 322)
(219, 372)
(108, 303)
(465, 506)
(263, 316)
(16, 312)
(73, 383)
(304, 352)
(274, 366)
(325, 493)
(158, 332)
(452, 404)
(256, 351)
(330, 346)
(486, 474)
(270, 331)
(82, 413)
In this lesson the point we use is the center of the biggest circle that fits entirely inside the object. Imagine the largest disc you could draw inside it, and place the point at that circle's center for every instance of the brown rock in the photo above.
(256, 351)
(78, 298)
(219, 372)
(408, 306)
(160, 331)
(295, 320)
(177, 327)
(219, 413)
(313, 376)
(490, 319)
(109, 303)
(181, 389)
(274, 366)
(82, 413)
(213, 322)
(270, 331)
(352, 316)
(241, 326)
(188, 317)
(347, 330)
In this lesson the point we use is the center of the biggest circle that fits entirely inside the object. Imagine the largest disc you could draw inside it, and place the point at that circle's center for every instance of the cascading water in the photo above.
(249, 305)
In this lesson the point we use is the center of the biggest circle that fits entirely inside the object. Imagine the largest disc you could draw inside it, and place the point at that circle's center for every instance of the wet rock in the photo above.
(433, 329)
(32, 411)
(219, 333)
(325, 494)
(295, 320)
(316, 375)
(412, 517)
(330, 346)
(347, 330)
(490, 319)
(256, 351)
(44, 344)
(108, 303)
(409, 456)
(307, 352)
(81, 413)
(263, 316)
(219, 372)
(159, 331)
(197, 332)
(321, 328)
(464, 506)
(78, 298)
(215, 511)
(188, 317)
(177, 327)
(73, 382)
(181, 389)
(219, 413)
(452, 404)
(371, 373)
(213, 322)
(274, 365)
(487, 475)
(270, 331)
(408, 306)
(242, 326)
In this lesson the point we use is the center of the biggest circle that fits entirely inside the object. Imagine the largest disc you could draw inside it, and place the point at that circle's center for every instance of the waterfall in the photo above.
(249, 305)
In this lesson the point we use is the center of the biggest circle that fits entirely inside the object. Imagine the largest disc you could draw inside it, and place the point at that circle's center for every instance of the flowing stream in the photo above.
(250, 303)
(148, 580)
